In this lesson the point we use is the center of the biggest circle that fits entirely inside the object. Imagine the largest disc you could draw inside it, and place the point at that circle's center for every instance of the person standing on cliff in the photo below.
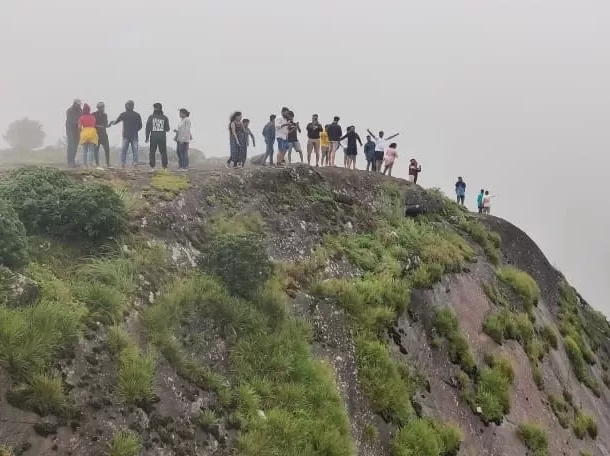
(73, 114)
(314, 128)
(335, 132)
(132, 124)
(369, 153)
(281, 132)
(414, 170)
(269, 135)
(248, 136)
(351, 151)
(157, 127)
(480, 197)
(460, 190)
(183, 139)
(381, 145)
(101, 123)
(292, 137)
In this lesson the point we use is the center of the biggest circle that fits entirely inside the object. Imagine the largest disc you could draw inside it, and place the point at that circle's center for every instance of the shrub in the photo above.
(118, 340)
(584, 424)
(561, 408)
(488, 240)
(495, 326)
(446, 325)
(13, 240)
(207, 418)
(504, 365)
(239, 261)
(576, 359)
(534, 438)
(523, 285)
(492, 394)
(423, 437)
(106, 304)
(44, 394)
(136, 377)
(125, 443)
(550, 336)
(94, 212)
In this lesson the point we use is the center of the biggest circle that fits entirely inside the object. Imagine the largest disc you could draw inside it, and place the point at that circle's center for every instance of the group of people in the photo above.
(88, 129)
(483, 198)
(323, 142)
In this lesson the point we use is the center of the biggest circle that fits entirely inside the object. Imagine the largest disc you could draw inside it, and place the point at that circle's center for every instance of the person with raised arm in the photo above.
(381, 144)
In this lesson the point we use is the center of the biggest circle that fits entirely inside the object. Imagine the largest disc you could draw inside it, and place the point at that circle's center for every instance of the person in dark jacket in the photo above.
(352, 147)
(460, 190)
(157, 127)
(369, 153)
(132, 124)
(101, 123)
(269, 135)
(73, 113)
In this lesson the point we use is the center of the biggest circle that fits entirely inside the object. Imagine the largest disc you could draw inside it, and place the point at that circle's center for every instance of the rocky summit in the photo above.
(284, 312)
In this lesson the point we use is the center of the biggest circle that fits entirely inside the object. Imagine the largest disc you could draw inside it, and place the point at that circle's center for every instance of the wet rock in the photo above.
(46, 427)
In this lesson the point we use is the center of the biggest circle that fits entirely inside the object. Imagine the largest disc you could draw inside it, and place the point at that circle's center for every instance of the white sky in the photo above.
(513, 95)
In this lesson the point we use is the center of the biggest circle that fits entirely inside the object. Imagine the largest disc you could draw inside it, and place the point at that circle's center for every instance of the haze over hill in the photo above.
(511, 95)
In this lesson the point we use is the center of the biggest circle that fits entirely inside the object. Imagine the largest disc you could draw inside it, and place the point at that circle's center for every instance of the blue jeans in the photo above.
(88, 151)
(269, 153)
(134, 149)
(182, 149)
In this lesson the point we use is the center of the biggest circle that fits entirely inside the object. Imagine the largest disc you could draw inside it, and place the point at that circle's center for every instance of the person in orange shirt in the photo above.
(88, 134)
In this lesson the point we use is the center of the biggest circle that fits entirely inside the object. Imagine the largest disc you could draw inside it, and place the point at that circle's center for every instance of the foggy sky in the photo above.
(512, 95)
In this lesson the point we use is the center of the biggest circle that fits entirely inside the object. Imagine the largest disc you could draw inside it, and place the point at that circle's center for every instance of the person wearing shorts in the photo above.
(281, 130)
(292, 138)
(325, 147)
(314, 128)
(352, 147)
(381, 144)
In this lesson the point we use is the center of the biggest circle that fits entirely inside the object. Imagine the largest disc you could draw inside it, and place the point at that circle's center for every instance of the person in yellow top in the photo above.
(88, 134)
(325, 147)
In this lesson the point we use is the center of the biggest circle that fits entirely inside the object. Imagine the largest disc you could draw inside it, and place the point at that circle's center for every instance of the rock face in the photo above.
(297, 210)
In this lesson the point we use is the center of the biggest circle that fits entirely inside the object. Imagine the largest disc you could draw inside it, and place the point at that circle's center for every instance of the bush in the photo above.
(561, 408)
(493, 394)
(94, 212)
(423, 437)
(136, 377)
(446, 325)
(576, 359)
(125, 443)
(43, 394)
(534, 438)
(550, 336)
(495, 326)
(47, 202)
(584, 424)
(239, 261)
(522, 283)
(13, 240)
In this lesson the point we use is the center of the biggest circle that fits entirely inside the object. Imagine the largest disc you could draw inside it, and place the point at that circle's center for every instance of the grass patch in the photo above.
(125, 443)
(6, 451)
(494, 295)
(118, 340)
(207, 418)
(562, 410)
(370, 433)
(492, 393)
(579, 366)
(522, 284)
(168, 184)
(136, 377)
(424, 437)
(535, 439)
(43, 394)
(488, 240)
(446, 326)
(584, 424)
(549, 336)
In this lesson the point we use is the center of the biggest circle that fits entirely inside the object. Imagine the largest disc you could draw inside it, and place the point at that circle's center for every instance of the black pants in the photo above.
(72, 138)
(161, 143)
(460, 199)
(102, 142)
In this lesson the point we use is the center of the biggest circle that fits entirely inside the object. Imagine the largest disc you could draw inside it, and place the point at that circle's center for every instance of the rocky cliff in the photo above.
(292, 311)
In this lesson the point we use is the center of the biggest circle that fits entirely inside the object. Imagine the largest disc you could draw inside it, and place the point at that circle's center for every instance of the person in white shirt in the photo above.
(381, 144)
(487, 202)
(281, 134)
(183, 139)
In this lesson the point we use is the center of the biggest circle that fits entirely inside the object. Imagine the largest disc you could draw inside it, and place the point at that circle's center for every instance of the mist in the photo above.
(511, 95)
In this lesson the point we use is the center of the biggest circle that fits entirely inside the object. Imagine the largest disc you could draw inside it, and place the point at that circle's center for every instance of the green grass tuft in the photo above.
(422, 437)
(125, 443)
(136, 377)
(168, 184)
(561, 408)
(488, 240)
(446, 326)
(550, 336)
(535, 439)
(522, 284)
(44, 394)
(584, 424)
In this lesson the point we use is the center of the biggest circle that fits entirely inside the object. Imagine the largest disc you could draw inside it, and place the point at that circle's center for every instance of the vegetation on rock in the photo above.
(535, 439)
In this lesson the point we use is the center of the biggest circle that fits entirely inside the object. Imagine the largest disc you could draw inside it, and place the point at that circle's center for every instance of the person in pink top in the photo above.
(389, 158)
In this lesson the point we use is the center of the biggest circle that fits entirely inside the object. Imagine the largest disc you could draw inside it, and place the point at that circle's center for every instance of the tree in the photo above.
(25, 134)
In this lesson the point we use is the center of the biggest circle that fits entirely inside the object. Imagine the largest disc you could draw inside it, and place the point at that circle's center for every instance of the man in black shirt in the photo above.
(352, 147)
(334, 136)
(157, 127)
(314, 128)
(101, 123)
(132, 124)
(292, 137)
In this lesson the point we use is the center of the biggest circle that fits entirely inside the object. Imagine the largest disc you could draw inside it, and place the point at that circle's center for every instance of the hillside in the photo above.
(288, 312)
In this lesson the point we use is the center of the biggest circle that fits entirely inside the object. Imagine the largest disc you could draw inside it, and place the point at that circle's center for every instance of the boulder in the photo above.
(16, 289)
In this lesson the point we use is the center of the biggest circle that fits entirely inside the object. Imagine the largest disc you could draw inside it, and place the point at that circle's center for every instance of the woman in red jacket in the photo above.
(88, 134)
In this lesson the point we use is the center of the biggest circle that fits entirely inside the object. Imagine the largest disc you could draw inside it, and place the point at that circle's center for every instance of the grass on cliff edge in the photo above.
(271, 360)
(535, 439)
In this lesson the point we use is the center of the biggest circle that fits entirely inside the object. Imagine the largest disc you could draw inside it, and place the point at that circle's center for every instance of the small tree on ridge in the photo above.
(25, 134)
